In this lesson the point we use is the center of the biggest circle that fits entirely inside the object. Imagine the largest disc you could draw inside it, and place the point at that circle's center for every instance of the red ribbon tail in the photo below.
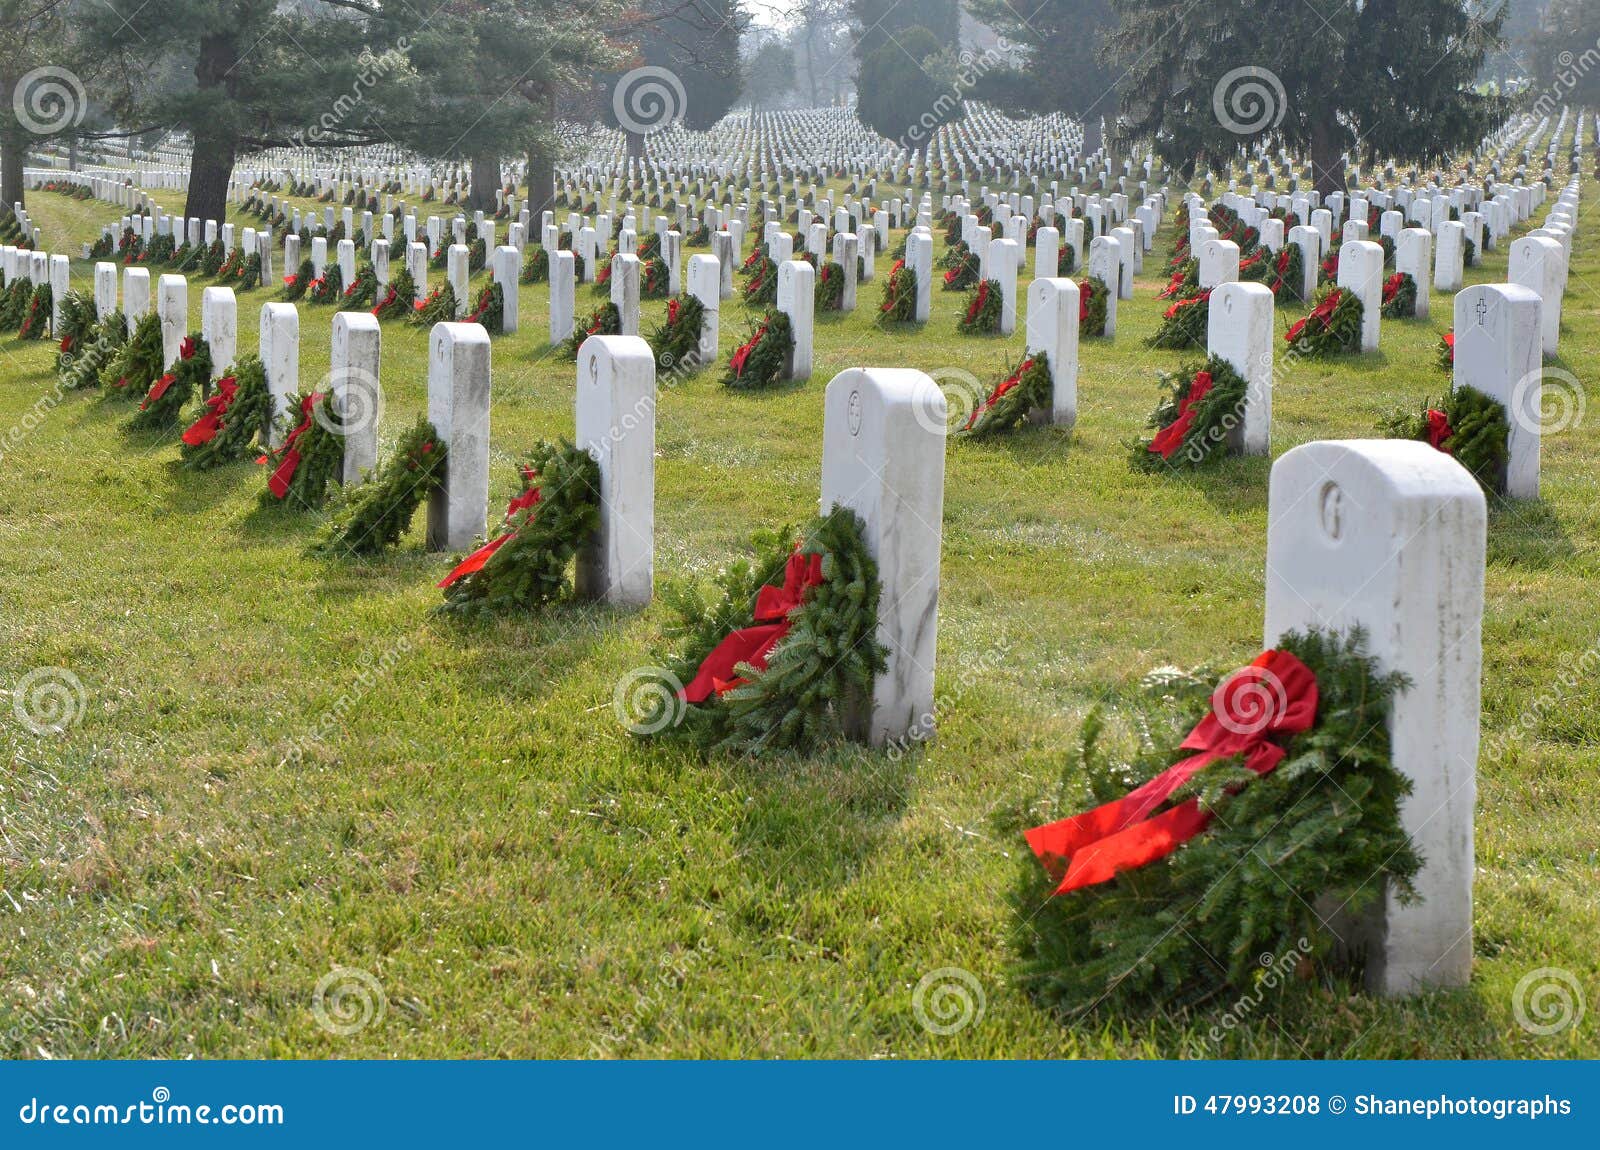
(747, 645)
(477, 560)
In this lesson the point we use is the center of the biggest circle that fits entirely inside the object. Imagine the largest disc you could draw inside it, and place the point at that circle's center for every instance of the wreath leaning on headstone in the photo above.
(1025, 388)
(1184, 322)
(676, 343)
(1281, 799)
(439, 307)
(525, 565)
(190, 375)
(371, 518)
(310, 457)
(1400, 296)
(232, 418)
(899, 303)
(1334, 325)
(1200, 407)
(1466, 424)
(784, 655)
(982, 314)
(137, 363)
(761, 358)
(1092, 307)
(604, 320)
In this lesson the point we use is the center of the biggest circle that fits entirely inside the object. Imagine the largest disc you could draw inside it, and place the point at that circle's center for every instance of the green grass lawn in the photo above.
(477, 831)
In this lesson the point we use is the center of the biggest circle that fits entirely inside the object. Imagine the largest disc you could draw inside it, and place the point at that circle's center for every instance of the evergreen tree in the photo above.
(1062, 66)
(769, 74)
(45, 79)
(1379, 80)
(908, 87)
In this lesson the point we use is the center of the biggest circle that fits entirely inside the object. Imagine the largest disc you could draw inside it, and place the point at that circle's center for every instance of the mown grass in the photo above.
(476, 830)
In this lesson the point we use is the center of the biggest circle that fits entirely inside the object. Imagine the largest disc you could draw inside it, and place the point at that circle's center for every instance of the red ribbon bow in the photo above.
(1276, 694)
(743, 354)
(530, 497)
(289, 463)
(205, 429)
(158, 389)
(1391, 286)
(187, 348)
(1321, 313)
(1439, 430)
(774, 606)
(994, 396)
(1170, 438)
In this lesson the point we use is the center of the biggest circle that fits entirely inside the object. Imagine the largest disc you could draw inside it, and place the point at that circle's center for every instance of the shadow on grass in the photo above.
(810, 823)
(1527, 533)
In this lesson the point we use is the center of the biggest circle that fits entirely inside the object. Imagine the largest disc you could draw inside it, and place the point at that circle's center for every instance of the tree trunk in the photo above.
(635, 145)
(72, 154)
(1092, 133)
(1327, 159)
(485, 182)
(13, 155)
(215, 145)
(541, 181)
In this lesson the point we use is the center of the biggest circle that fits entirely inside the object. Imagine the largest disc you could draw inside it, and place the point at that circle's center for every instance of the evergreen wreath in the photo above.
(1334, 325)
(764, 355)
(363, 290)
(1328, 271)
(1400, 296)
(899, 295)
(1445, 353)
(963, 274)
(761, 289)
(489, 309)
(1287, 272)
(232, 419)
(310, 458)
(372, 517)
(649, 248)
(1185, 281)
(676, 343)
(138, 361)
(14, 305)
(982, 315)
(295, 286)
(159, 250)
(164, 402)
(1321, 827)
(1184, 323)
(1092, 307)
(1066, 260)
(604, 320)
(786, 654)
(249, 274)
(439, 307)
(828, 294)
(1199, 408)
(101, 248)
(36, 316)
(397, 298)
(525, 565)
(81, 368)
(230, 265)
(1468, 425)
(654, 280)
(1028, 387)
(536, 269)
(327, 288)
(76, 329)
